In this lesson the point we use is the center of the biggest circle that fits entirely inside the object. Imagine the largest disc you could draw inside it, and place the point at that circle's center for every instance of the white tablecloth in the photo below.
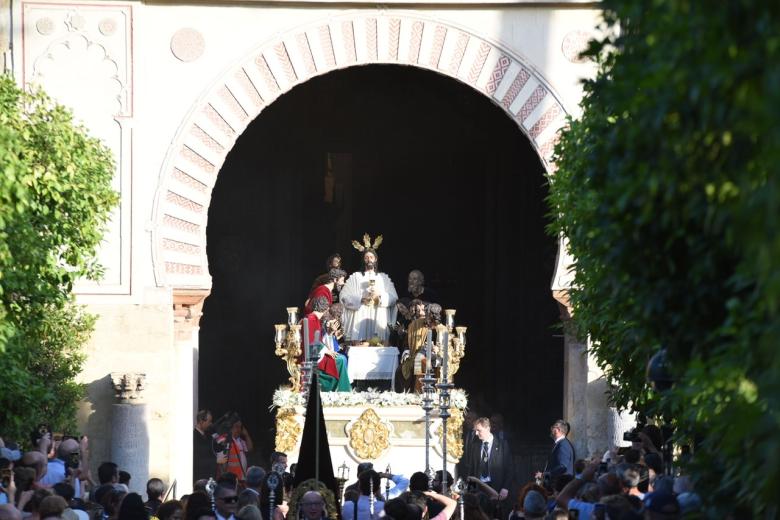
(373, 363)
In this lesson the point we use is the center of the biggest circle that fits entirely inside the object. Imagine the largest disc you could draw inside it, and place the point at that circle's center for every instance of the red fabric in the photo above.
(327, 364)
(320, 290)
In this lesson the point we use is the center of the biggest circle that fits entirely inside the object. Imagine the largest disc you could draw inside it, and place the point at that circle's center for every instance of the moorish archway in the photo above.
(240, 95)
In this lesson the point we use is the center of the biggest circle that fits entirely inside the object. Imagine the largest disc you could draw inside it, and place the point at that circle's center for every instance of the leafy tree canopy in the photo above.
(55, 199)
(668, 190)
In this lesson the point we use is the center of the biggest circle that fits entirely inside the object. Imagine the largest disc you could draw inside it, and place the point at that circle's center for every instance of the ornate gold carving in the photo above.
(369, 436)
(456, 352)
(454, 437)
(290, 351)
(312, 485)
(287, 430)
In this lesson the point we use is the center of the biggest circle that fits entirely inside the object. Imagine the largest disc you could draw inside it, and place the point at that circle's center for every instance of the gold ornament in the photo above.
(312, 485)
(367, 243)
(290, 351)
(369, 436)
(456, 352)
(454, 438)
(287, 430)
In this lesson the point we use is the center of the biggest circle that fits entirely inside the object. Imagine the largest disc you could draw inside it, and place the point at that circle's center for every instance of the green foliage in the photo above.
(668, 190)
(55, 199)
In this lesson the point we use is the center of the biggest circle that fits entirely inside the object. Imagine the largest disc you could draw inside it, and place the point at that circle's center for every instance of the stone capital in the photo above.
(187, 310)
(128, 386)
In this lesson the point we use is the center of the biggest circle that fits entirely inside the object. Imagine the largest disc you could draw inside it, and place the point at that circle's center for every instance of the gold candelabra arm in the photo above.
(457, 349)
(288, 347)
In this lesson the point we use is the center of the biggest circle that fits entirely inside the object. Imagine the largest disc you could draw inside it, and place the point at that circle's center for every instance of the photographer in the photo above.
(231, 443)
(66, 466)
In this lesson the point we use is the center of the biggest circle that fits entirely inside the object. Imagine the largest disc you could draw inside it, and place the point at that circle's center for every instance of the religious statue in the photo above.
(331, 350)
(369, 298)
(415, 360)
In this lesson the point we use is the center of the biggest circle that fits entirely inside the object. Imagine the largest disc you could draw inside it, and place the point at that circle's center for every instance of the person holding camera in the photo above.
(561, 459)
(233, 445)
(65, 467)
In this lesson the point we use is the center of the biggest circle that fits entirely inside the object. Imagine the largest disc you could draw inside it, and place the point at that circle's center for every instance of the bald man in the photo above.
(9, 512)
(313, 506)
(68, 459)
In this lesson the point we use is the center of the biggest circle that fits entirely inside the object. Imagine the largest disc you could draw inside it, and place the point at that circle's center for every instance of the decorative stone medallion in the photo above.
(107, 26)
(76, 22)
(573, 44)
(45, 26)
(369, 436)
(187, 44)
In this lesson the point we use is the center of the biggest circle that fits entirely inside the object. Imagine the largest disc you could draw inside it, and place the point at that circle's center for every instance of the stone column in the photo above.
(5, 36)
(130, 429)
(585, 404)
(187, 310)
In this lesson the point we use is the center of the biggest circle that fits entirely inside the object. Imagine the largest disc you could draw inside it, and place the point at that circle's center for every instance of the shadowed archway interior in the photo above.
(456, 190)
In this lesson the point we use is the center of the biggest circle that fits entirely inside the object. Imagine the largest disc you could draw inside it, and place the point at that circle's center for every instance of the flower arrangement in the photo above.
(284, 397)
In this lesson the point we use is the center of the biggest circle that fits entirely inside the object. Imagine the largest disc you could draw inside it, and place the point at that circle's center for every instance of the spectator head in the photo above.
(113, 500)
(254, 476)
(67, 448)
(629, 477)
(396, 508)
(226, 500)
(368, 482)
(124, 478)
(659, 505)
(482, 428)
(523, 492)
(108, 473)
(37, 461)
(99, 494)
(200, 485)
(280, 459)
(52, 507)
(248, 498)
(170, 510)
(632, 456)
(132, 508)
(609, 484)
(619, 506)
(203, 420)
(364, 466)
(654, 462)
(64, 490)
(228, 479)
(38, 496)
(196, 503)
(312, 505)
(205, 513)
(437, 480)
(249, 512)
(534, 505)
(9, 512)
(559, 428)
(418, 482)
(155, 489)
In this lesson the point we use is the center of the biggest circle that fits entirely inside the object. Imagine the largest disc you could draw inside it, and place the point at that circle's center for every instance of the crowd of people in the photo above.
(52, 480)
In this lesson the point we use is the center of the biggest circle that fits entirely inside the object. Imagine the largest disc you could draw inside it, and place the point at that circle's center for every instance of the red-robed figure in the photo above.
(332, 365)
(333, 280)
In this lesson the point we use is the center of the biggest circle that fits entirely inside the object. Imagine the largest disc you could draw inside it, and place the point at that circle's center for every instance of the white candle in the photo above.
(429, 346)
(305, 336)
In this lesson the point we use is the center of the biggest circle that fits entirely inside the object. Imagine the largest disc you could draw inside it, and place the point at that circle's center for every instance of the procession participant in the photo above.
(334, 282)
(369, 298)
(329, 352)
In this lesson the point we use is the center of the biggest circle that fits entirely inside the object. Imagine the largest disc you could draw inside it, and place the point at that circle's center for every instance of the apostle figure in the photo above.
(333, 262)
(331, 365)
(369, 298)
(333, 282)
(414, 361)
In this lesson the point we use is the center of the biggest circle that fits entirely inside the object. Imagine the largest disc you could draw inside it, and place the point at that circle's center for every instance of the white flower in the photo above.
(284, 397)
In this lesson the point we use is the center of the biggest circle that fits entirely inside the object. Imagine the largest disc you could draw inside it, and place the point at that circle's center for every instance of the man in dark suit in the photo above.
(491, 460)
(561, 459)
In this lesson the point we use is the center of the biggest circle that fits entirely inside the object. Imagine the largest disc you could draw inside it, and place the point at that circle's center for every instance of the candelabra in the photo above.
(272, 481)
(387, 483)
(444, 387)
(288, 346)
(428, 389)
(342, 479)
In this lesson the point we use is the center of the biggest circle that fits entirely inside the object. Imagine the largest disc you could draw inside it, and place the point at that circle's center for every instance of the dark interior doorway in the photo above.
(451, 183)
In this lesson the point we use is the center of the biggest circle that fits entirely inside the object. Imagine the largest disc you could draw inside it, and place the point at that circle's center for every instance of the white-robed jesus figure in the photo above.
(369, 298)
